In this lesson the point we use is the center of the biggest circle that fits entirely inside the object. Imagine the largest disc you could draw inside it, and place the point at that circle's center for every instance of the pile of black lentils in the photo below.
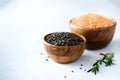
(64, 39)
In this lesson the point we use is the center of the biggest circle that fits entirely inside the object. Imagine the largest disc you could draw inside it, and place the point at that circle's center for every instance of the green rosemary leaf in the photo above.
(90, 70)
(95, 63)
(97, 68)
(95, 72)
(100, 61)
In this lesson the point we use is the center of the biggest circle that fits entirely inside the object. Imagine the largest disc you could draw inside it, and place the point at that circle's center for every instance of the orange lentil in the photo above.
(89, 59)
(92, 20)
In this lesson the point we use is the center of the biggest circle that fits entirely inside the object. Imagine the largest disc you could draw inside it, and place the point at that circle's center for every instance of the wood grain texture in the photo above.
(64, 54)
(96, 38)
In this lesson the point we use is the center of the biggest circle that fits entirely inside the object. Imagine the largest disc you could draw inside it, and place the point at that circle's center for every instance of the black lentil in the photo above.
(81, 65)
(41, 53)
(63, 39)
(72, 71)
(65, 76)
(46, 59)
(80, 68)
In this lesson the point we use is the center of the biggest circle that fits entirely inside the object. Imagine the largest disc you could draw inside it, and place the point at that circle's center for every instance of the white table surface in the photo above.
(23, 23)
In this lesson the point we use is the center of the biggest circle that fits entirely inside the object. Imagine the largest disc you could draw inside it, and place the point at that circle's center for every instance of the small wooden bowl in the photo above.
(97, 38)
(64, 54)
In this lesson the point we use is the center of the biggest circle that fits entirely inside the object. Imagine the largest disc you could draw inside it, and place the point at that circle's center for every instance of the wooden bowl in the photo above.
(64, 54)
(97, 38)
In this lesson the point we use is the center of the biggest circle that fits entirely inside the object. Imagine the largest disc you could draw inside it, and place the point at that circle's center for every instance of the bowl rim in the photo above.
(81, 36)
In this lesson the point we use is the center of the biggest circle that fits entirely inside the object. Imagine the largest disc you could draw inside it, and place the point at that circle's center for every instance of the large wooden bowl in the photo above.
(96, 38)
(64, 54)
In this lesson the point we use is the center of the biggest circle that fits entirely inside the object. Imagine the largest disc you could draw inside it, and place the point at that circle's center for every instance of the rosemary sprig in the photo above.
(107, 59)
